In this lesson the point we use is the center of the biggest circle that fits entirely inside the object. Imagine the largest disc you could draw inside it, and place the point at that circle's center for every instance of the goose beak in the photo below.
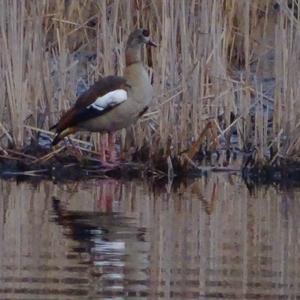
(150, 43)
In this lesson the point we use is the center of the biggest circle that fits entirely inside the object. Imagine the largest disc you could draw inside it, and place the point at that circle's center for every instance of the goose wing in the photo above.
(101, 97)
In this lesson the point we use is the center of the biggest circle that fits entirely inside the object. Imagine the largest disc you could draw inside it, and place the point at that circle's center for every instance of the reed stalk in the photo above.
(216, 58)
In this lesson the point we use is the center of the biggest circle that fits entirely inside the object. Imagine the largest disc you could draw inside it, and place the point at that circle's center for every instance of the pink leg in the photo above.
(108, 152)
(112, 147)
(103, 147)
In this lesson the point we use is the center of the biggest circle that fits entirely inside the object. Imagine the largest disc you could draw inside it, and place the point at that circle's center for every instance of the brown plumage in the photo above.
(76, 113)
(115, 113)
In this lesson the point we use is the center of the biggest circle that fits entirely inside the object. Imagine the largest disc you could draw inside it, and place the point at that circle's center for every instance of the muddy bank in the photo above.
(287, 174)
(64, 164)
(67, 164)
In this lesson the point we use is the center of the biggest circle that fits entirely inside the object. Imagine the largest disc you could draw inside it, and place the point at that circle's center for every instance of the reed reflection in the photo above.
(204, 238)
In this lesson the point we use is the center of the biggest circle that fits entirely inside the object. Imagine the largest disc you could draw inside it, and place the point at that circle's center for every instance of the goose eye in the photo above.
(146, 33)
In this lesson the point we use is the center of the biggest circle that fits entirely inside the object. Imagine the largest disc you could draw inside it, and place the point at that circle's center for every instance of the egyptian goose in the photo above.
(112, 102)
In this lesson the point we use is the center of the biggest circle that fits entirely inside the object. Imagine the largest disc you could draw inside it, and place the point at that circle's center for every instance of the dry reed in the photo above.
(216, 59)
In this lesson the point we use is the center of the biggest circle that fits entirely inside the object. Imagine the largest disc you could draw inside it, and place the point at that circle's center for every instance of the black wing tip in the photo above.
(53, 127)
(56, 139)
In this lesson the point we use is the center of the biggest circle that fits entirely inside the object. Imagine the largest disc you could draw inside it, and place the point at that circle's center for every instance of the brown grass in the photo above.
(215, 58)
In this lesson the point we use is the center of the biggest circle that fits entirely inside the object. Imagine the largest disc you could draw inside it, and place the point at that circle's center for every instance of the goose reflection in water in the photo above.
(111, 245)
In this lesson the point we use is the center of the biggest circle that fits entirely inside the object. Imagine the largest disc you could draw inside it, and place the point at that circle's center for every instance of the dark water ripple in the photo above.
(209, 239)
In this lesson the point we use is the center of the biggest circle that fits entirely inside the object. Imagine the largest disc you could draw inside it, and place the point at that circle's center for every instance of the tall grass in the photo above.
(216, 59)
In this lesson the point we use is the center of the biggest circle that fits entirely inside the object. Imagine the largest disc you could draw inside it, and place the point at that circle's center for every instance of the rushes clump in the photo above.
(232, 64)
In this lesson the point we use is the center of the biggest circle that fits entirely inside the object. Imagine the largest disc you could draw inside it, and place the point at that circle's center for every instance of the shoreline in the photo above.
(64, 164)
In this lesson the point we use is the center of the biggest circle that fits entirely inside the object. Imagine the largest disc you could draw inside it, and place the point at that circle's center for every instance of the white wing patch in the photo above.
(109, 100)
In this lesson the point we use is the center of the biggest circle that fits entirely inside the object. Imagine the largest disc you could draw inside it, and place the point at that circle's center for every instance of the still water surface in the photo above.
(207, 239)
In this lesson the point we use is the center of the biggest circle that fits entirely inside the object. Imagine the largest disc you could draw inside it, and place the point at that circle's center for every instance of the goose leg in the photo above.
(108, 152)
(103, 147)
(112, 147)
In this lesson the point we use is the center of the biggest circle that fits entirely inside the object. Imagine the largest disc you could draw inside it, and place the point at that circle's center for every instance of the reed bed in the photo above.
(228, 63)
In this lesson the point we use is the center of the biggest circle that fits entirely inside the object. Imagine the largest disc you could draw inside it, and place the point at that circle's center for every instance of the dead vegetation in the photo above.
(226, 74)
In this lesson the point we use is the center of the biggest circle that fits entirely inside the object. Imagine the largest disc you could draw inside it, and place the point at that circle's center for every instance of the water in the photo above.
(207, 239)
